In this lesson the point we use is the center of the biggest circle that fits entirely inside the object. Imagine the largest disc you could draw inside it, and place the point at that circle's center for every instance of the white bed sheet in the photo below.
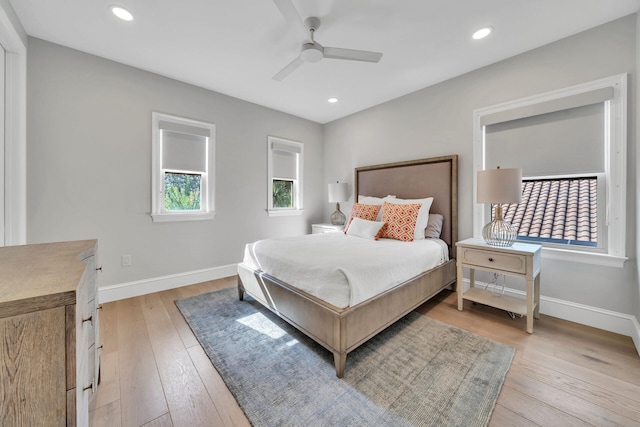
(344, 270)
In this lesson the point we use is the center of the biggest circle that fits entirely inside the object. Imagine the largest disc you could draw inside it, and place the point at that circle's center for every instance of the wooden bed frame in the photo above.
(340, 330)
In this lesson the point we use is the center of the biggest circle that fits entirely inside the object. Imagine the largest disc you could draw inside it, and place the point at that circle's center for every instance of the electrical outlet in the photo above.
(126, 260)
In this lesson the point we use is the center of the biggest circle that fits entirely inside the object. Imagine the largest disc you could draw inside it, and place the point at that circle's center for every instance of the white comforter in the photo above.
(343, 270)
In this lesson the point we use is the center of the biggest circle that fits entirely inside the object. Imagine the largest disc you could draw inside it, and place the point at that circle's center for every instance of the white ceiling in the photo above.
(236, 46)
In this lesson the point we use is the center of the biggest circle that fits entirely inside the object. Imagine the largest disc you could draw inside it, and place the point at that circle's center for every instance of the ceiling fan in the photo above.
(312, 51)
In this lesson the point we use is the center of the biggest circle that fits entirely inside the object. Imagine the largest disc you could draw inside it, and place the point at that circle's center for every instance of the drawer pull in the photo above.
(90, 386)
(99, 269)
(490, 259)
(88, 319)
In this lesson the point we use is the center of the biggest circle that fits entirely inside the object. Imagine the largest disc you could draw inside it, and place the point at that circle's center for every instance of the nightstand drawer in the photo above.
(495, 260)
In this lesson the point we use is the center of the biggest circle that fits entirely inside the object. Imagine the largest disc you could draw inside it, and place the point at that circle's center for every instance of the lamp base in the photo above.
(338, 218)
(499, 233)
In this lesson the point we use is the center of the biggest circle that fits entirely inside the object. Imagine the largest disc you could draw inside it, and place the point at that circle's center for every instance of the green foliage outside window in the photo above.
(282, 193)
(181, 191)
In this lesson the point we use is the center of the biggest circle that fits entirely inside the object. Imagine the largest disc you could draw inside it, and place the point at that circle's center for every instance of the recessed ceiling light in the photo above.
(482, 33)
(332, 100)
(121, 12)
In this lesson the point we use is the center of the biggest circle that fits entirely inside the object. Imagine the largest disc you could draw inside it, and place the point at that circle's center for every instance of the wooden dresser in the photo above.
(48, 331)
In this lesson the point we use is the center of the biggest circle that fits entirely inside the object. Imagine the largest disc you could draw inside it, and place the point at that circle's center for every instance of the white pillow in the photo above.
(434, 226)
(370, 200)
(423, 214)
(364, 228)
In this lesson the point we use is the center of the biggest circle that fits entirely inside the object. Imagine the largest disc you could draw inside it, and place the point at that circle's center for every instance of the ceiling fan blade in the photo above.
(352, 54)
(291, 15)
(288, 69)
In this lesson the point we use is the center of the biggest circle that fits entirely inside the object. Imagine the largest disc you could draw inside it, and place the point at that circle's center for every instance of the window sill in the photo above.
(191, 216)
(605, 260)
(284, 212)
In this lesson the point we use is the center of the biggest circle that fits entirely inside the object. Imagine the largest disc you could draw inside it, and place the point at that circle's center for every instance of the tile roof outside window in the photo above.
(557, 210)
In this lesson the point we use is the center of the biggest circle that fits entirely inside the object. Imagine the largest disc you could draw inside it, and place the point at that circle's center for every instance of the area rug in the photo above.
(417, 372)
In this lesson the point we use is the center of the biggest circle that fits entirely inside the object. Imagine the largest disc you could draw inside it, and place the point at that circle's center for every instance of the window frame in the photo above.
(298, 149)
(13, 200)
(207, 195)
(615, 180)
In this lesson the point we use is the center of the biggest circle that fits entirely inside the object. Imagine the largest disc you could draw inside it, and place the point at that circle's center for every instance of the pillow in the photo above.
(423, 216)
(363, 228)
(360, 210)
(434, 226)
(370, 200)
(401, 221)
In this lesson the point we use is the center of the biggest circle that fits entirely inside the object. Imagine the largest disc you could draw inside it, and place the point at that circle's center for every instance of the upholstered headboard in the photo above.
(436, 177)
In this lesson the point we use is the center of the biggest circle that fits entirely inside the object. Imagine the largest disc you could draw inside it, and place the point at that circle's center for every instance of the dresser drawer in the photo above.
(495, 260)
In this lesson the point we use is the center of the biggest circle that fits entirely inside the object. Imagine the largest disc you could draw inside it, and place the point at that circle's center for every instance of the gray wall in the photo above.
(89, 165)
(89, 154)
(636, 134)
(438, 121)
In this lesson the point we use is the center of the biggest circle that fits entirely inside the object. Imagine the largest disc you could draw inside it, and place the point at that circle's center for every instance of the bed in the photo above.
(342, 329)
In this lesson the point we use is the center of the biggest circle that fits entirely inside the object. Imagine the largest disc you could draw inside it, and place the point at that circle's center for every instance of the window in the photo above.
(558, 211)
(571, 146)
(183, 155)
(284, 193)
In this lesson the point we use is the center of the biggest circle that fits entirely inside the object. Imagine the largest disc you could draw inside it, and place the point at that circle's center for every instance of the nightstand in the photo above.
(325, 228)
(520, 260)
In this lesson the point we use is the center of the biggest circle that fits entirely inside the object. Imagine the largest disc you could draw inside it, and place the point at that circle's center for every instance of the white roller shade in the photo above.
(184, 151)
(182, 128)
(282, 146)
(284, 160)
(563, 142)
(285, 165)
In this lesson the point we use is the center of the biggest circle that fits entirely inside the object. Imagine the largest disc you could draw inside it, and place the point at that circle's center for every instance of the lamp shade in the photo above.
(500, 186)
(338, 192)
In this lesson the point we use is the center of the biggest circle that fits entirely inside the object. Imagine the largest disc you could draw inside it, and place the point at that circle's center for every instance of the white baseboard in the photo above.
(157, 284)
(620, 323)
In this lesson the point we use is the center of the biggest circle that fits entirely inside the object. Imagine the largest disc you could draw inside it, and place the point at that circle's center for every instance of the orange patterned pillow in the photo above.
(401, 220)
(359, 210)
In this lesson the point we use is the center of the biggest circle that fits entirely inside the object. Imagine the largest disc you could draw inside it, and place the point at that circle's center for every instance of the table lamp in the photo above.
(498, 186)
(338, 193)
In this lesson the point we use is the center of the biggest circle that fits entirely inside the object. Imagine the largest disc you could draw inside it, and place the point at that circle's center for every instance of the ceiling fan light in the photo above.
(311, 52)
(121, 12)
(482, 33)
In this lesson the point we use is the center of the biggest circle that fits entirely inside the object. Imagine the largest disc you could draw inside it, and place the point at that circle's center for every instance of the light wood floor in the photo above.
(154, 372)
